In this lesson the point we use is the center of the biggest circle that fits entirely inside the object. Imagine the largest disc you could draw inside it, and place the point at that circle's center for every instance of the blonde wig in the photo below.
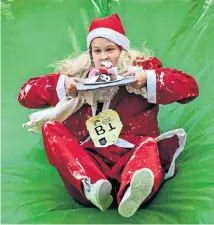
(79, 66)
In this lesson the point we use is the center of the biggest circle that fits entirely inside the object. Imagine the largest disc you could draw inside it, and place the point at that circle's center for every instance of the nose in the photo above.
(104, 56)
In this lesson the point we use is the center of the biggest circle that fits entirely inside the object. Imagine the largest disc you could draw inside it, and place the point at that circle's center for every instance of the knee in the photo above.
(147, 141)
(50, 125)
(55, 128)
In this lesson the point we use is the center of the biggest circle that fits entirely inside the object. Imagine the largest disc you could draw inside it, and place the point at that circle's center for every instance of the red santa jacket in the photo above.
(138, 114)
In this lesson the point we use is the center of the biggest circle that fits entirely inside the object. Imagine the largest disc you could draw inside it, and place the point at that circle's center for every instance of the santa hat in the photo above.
(108, 27)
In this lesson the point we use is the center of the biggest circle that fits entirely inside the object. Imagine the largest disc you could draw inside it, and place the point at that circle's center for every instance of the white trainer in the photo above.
(98, 193)
(139, 189)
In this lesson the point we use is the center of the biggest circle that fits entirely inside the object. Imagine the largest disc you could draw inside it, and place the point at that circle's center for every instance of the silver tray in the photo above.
(96, 85)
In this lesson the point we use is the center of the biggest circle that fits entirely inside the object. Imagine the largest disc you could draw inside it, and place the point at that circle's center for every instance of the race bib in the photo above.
(104, 128)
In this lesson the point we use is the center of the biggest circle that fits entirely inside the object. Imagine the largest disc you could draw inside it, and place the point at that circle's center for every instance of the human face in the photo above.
(104, 50)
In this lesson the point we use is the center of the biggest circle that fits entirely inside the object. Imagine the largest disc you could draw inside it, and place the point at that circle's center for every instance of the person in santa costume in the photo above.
(132, 169)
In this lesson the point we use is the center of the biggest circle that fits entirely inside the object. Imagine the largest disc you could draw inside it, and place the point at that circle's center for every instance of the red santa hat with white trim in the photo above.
(108, 27)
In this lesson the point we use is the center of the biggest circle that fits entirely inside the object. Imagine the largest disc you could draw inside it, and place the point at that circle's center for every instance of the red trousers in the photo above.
(74, 162)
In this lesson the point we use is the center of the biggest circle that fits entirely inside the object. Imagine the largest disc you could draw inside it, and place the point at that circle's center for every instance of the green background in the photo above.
(36, 33)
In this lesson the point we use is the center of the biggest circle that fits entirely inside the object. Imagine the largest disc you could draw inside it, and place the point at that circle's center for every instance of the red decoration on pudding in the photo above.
(105, 73)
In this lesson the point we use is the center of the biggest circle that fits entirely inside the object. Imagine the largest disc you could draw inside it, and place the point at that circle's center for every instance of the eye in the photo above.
(96, 50)
(110, 49)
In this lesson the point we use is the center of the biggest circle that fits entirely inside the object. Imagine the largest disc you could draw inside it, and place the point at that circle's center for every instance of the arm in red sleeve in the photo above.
(165, 85)
(41, 92)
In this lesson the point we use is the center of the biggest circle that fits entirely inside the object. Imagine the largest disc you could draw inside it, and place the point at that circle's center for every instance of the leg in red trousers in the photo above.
(141, 177)
(79, 171)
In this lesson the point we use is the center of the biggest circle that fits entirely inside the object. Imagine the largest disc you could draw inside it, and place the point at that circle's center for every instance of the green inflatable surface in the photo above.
(36, 33)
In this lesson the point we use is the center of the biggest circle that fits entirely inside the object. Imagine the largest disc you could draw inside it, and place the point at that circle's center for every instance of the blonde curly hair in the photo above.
(80, 65)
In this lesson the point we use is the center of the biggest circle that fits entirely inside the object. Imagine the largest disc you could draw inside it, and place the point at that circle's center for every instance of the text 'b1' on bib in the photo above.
(104, 128)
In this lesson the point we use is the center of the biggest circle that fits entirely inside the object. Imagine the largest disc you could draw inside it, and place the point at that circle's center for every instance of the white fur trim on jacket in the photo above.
(111, 35)
(181, 134)
(151, 86)
(60, 88)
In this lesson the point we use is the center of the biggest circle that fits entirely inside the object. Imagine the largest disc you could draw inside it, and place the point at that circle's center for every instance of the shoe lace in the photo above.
(87, 183)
